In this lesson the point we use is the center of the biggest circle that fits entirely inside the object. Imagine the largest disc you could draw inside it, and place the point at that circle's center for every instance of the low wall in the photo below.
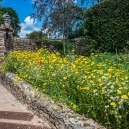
(58, 115)
(27, 44)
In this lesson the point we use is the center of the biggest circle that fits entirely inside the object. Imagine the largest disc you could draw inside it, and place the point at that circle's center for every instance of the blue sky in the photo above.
(23, 9)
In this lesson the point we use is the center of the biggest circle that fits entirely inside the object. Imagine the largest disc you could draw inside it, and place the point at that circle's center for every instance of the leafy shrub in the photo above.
(59, 46)
(108, 24)
(90, 47)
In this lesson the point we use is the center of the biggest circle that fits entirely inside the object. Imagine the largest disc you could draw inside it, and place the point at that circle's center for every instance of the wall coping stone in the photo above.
(58, 115)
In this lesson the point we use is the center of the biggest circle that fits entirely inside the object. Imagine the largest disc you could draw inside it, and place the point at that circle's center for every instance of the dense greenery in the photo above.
(78, 32)
(107, 25)
(59, 46)
(37, 35)
(89, 3)
(14, 19)
(96, 86)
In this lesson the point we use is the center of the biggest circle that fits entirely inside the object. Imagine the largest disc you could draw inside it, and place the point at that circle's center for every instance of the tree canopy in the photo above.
(36, 35)
(90, 2)
(14, 19)
(55, 12)
(106, 26)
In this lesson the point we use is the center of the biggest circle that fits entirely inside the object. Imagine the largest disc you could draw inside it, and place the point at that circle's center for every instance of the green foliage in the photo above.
(59, 46)
(107, 24)
(1, 10)
(78, 32)
(36, 35)
(45, 38)
(90, 46)
(14, 19)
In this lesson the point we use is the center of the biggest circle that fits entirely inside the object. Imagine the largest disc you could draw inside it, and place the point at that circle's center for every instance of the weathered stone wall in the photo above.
(58, 115)
(27, 44)
(79, 45)
(2, 46)
(21, 44)
(5, 44)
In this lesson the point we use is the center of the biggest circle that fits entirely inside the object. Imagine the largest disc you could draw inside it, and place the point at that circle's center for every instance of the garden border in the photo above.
(57, 115)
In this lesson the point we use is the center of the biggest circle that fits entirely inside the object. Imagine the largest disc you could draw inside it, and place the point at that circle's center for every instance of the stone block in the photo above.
(2, 48)
(1, 34)
(2, 54)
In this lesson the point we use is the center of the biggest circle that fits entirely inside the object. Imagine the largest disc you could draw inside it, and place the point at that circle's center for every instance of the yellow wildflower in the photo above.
(100, 84)
(110, 70)
(43, 90)
(119, 92)
(92, 63)
(95, 90)
(64, 78)
(89, 77)
(74, 106)
(124, 97)
(70, 119)
(126, 77)
(113, 104)
(41, 96)
(103, 90)
(92, 54)
(87, 88)
(99, 80)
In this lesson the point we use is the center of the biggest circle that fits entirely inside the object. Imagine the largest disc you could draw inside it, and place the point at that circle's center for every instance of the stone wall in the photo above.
(5, 44)
(57, 114)
(27, 44)
(21, 44)
(2, 46)
(79, 45)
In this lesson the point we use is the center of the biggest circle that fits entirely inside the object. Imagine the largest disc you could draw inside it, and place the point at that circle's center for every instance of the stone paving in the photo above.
(9, 103)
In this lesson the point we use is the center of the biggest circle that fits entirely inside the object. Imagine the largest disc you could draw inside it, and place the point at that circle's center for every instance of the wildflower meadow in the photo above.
(96, 86)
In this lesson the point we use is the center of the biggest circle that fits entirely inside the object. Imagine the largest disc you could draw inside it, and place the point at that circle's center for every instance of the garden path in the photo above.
(10, 104)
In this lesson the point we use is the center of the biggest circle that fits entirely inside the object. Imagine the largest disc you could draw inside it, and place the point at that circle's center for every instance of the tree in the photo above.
(14, 19)
(62, 12)
(71, 20)
(36, 35)
(89, 3)
(58, 15)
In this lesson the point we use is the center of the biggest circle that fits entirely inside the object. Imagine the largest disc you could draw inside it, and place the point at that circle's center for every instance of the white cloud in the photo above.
(28, 26)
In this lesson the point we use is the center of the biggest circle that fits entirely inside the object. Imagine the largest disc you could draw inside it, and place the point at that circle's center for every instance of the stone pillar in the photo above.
(2, 47)
(5, 44)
